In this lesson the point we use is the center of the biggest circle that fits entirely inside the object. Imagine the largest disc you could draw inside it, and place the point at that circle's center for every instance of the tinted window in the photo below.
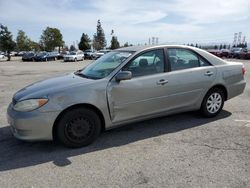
(103, 66)
(148, 63)
(184, 59)
(203, 63)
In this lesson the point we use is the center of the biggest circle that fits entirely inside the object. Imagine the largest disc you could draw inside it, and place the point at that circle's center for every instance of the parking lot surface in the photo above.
(184, 150)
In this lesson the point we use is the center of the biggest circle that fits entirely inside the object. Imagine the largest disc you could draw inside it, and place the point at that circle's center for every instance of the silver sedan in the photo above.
(123, 86)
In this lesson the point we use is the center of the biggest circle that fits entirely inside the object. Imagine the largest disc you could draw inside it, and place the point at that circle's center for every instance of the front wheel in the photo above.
(78, 127)
(213, 102)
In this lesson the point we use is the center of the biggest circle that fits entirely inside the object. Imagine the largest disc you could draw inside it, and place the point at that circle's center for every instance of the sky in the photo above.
(133, 21)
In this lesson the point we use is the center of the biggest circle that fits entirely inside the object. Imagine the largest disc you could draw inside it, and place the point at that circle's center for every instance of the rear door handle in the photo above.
(209, 73)
(162, 82)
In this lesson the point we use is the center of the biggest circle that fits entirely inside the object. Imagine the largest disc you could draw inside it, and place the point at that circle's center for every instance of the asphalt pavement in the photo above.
(183, 150)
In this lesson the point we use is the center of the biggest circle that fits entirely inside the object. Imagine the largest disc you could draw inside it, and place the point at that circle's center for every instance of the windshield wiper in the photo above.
(79, 73)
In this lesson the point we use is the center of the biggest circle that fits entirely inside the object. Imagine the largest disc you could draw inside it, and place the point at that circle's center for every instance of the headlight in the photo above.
(30, 104)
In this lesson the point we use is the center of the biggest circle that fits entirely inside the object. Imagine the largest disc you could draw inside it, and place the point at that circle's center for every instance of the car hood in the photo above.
(46, 87)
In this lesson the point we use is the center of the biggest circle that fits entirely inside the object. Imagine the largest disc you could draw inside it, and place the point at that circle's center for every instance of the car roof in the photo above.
(144, 47)
(211, 58)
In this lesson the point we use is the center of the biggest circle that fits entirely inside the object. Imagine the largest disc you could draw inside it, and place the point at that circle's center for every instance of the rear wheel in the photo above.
(213, 102)
(78, 127)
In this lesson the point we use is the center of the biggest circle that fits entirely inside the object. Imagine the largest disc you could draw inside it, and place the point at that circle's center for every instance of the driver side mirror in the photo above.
(124, 75)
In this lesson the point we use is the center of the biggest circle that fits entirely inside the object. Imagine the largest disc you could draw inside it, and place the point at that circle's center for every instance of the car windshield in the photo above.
(72, 53)
(103, 66)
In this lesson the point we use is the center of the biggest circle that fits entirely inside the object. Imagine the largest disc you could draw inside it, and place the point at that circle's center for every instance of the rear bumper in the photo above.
(34, 125)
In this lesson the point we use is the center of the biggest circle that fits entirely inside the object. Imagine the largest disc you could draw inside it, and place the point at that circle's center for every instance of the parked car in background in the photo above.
(215, 52)
(224, 53)
(235, 52)
(89, 54)
(13, 53)
(2, 56)
(245, 54)
(74, 56)
(46, 56)
(100, 53)
(124, 86)
(62, 54)
(21, 53)
(53, 56)
(28, 56)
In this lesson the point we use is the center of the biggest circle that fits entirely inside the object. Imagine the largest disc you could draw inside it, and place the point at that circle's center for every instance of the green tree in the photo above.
(114, 43)
(6, 40)
(51, 38)
(72, 48)
(126, 44)
(34, 46)
(99, 41)
(22, 41)
(84, 42)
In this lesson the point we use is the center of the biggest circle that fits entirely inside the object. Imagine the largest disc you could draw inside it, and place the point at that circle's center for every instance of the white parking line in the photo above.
(245, 121)
(247, 125)
(242, 120)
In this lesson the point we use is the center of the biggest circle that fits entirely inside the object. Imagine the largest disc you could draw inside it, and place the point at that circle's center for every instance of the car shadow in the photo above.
(16, 154)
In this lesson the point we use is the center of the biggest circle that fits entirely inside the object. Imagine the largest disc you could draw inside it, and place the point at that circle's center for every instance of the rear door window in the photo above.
(180, 59)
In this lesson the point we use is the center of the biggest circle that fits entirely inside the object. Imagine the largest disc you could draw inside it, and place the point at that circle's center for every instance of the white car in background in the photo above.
(100, 53)
(74, 56)
(1, 56)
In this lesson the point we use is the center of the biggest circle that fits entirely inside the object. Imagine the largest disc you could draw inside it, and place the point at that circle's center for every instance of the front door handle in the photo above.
(209, 73)
(162, 82)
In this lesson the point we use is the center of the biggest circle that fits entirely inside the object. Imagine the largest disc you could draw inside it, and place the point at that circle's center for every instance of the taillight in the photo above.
(243, 70)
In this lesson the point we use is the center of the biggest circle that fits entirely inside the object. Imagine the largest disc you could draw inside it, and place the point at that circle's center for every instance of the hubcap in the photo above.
(78, 129)
(214, 103)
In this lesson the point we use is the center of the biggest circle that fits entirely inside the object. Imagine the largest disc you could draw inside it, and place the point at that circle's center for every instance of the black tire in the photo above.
(78, 127)
(208, 105)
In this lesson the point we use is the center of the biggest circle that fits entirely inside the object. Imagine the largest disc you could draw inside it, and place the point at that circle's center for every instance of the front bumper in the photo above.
(33, 125)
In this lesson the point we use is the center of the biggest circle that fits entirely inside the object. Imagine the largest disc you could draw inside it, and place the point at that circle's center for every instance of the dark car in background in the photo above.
(245, 54)
(21, 53)
(235, 52)
(29, 56)
(215, 52)
(89, 54)
(224, 53)
(46, 56)
(62, 54)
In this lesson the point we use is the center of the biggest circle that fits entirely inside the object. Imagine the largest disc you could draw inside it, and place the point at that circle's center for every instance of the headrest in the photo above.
(143, 63)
